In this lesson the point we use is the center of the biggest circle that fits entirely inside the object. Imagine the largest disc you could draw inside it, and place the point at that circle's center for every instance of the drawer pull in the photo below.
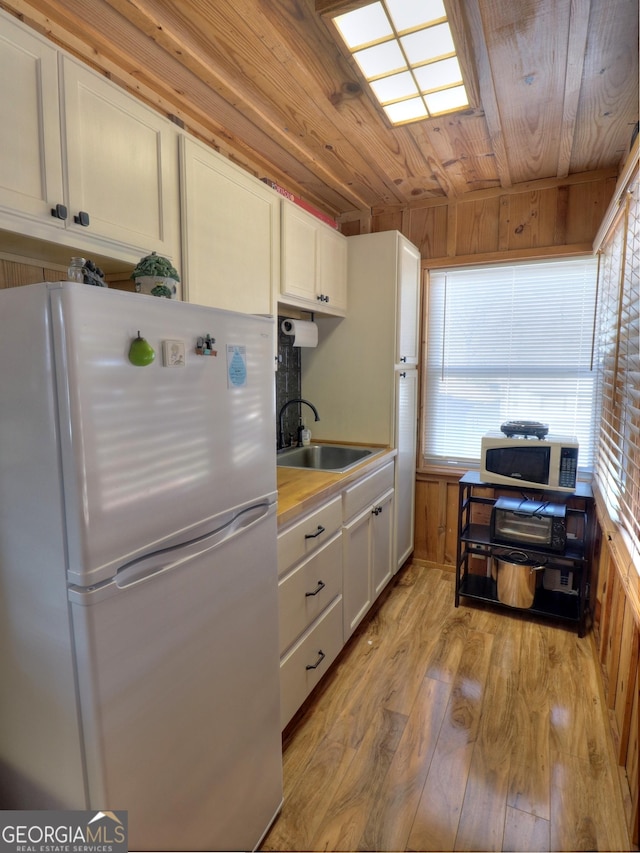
(318, 662)
(321, 586)
(317, 533)
(376, 510)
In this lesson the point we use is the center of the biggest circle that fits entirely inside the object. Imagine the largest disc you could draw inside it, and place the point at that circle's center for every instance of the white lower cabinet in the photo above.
(310, 602)
(309, 660)
(332, 565)
(367, 544)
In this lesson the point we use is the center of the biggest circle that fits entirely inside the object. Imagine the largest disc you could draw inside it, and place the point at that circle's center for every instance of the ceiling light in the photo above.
(406, 53)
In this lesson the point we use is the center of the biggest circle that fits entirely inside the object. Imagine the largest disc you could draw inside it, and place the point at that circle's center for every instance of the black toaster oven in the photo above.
(538, 524)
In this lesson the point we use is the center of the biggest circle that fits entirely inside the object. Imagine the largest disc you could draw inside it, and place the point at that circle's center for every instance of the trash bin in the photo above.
(516, 578)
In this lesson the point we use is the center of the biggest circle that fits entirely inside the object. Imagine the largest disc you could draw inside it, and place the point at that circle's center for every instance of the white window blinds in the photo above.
(505, 342)
(618, 359)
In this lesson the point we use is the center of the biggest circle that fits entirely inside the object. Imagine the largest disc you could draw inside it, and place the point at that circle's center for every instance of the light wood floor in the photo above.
(448, 729)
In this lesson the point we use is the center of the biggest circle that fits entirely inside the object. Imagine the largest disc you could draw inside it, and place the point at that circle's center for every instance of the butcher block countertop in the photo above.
(301, 489)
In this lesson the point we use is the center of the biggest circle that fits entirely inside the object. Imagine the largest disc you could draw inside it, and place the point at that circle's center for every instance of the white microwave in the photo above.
(536, 463)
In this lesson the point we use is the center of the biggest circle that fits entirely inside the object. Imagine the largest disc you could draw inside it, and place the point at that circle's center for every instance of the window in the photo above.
(618, 361)
(506, 342)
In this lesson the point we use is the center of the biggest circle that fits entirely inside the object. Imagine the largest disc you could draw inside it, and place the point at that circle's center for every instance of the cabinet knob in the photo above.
(59, 211)
(403, 358)
(404, 374)
(82, 218)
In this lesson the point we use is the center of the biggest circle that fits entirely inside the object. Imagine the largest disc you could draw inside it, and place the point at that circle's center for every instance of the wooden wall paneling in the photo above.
(586, 206)
(532, 219)
(477, 226)
(627, 673)
(387, 219)
(598, 578)
(610, 653)
(562, 212)
(451, 524)
(607, 571)
(631, 760)
(426, 523)
(436, 525)
(428, 230)
(14, 274)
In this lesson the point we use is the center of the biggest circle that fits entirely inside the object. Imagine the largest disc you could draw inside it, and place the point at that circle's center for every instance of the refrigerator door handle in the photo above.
(171, 558)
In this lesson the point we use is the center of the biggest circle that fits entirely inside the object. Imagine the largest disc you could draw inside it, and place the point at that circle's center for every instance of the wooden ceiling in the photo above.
(554, 88)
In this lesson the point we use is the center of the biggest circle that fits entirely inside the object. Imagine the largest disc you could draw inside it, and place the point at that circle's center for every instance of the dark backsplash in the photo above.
(288, 384)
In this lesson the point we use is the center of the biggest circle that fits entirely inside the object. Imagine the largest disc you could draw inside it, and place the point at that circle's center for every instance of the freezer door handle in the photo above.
(171, 558)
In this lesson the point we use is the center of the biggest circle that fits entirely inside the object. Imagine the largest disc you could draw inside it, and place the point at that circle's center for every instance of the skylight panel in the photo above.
(447, 100)
(395, 88)
(408, 14)
(429, 43)
(406, 53)
(364, 26)
(382, 59)
(438, 75)
(405, 111)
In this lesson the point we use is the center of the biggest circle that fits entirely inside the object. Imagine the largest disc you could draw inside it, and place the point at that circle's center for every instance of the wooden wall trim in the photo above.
(611, 215)
(621, 557)
(537, 254)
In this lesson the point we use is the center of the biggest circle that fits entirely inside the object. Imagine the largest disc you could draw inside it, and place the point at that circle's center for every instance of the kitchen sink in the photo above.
(337, 458)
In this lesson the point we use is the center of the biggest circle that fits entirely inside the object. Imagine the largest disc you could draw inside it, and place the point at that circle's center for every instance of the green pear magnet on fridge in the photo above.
(141, 352)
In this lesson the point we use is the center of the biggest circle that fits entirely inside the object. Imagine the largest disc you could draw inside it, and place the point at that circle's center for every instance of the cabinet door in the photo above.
(122, 163)
(332, 272)
(408, 303)
(31, 162)
(356, 558)
(231, 234)
(299, 254)
(382, 563)
(406, 441)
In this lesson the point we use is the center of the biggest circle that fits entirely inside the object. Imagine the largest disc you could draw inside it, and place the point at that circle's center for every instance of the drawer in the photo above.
(308, 534)
(363, 493)
(303, 667)
(308, 589)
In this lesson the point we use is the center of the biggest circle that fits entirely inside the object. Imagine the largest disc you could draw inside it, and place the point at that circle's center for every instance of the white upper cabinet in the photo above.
(408, 303)
(31, 161)
(314, 263)
(83, 163)
(122, 164)
(230, 233)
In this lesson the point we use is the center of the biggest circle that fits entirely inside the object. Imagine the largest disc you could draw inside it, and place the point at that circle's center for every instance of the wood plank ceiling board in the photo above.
(463, 149)
(608, 103)
(527, 44)
(576, 48)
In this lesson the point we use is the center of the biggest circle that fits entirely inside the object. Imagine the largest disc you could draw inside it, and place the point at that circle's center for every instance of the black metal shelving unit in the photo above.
(474, 541)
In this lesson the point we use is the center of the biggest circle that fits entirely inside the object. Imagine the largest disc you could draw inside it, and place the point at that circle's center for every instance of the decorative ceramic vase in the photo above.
(154, 285)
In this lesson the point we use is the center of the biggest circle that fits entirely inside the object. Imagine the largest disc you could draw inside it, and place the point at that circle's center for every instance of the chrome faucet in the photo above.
(281, 418)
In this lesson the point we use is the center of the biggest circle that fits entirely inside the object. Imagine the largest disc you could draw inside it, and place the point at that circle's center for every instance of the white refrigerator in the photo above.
(138, 582)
